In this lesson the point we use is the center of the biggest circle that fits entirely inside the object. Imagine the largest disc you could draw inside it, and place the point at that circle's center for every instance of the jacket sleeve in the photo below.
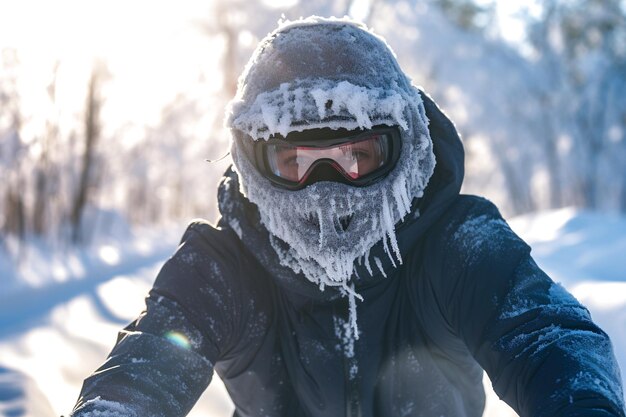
(539, 346)
(163, 361)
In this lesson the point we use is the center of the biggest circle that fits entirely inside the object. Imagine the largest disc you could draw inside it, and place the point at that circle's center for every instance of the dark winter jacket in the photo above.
(467, 297)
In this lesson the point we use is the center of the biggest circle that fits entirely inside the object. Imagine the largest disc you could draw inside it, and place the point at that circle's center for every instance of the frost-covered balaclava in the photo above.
(333, 73)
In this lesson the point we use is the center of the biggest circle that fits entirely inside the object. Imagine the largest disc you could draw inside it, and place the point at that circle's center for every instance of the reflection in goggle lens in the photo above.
(353, 159)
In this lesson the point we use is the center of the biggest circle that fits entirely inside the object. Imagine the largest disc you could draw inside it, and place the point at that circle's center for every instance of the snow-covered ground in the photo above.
(57, 325)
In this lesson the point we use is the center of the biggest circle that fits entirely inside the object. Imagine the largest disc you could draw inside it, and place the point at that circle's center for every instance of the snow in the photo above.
(54, 333)
(282, 110)
(347, 335)
(109, 409)
(49, 344)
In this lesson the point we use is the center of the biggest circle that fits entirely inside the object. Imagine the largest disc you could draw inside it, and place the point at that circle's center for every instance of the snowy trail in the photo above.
(19, 309)
(52, 334)
(54, 337)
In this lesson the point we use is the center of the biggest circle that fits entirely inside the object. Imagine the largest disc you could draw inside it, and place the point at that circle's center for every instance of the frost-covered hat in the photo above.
(319, 73)
(329, 73)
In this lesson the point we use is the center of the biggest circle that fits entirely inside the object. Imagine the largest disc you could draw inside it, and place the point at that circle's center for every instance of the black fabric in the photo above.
(467, 297)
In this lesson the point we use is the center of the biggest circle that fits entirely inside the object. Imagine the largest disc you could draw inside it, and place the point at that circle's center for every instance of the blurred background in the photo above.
(108, 111)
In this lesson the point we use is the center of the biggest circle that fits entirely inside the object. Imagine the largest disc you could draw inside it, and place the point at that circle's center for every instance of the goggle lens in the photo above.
(353, 159)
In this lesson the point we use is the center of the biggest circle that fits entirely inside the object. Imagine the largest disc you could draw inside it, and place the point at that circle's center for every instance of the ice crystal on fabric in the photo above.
(480, 235)
(347, 337)
(518, 302)
(322, 103)
(103, 408)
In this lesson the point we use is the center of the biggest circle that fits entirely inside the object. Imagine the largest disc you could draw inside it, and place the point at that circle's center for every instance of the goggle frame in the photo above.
(331, 138)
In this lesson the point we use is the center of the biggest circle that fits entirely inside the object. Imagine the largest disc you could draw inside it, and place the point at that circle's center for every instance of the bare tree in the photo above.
(580, 49)
(13, 210)
(44, 171)
(92, 129)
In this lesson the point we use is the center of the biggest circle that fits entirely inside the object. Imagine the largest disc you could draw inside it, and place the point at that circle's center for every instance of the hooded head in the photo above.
(329, 73)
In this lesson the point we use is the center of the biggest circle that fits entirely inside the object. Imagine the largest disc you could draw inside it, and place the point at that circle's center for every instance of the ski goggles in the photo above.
(358, 158)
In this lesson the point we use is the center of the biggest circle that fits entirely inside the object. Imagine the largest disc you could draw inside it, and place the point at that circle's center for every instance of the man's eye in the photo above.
(359, 154)
(287, 156)
(290, 161)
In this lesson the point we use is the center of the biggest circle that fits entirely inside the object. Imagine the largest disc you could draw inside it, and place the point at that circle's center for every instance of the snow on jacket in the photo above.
(468, 297)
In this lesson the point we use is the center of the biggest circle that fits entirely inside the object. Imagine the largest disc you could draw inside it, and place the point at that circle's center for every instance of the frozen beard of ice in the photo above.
(323, 229)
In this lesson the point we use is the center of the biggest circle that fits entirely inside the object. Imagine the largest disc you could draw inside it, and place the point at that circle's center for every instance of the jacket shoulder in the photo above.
(473, 230)
(467, 206)
(217, 242)
(207, 231)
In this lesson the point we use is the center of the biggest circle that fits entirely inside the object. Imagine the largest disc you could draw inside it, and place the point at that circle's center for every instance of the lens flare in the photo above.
(178, 339)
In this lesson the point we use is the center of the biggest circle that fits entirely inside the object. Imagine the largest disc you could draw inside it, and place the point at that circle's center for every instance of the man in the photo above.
(347, 276)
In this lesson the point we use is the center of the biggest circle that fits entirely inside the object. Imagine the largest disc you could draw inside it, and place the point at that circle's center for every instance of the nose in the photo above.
(325, 171)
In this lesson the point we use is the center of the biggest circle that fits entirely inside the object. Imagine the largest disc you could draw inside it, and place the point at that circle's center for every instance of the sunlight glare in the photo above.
(510, 20)
(152, 51)
(247, 39)
(279, 4)
(60, 272)
(124, 297)
(82, 319)
(109, 254)
(544, 228)
(359, 9)
(601, 296)
(144, 246)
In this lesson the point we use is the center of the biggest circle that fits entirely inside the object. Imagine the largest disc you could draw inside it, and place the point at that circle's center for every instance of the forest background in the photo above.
(108, 111)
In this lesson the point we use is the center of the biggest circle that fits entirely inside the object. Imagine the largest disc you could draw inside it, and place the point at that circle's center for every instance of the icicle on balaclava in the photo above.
(335, 73)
